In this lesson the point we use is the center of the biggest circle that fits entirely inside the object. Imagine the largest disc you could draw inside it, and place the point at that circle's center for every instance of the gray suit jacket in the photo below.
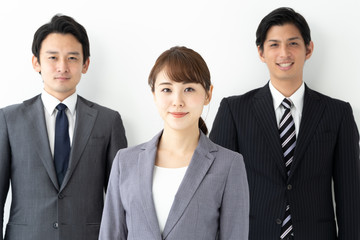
(212, 201)
(40, 209)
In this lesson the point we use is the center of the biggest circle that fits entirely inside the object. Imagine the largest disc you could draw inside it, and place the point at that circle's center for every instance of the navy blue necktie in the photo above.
(62, 143)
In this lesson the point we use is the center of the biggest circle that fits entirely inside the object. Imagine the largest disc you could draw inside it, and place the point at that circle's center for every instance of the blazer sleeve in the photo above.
(223, 131)
(113, 223)
(5, 159)
(117, 141)
(347, 177)
(234, 212)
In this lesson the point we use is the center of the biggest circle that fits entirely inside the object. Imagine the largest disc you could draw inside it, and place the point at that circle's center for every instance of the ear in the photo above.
(309, 50)
(86, 66)
(261, 54)
(209, 95)
(36, 64)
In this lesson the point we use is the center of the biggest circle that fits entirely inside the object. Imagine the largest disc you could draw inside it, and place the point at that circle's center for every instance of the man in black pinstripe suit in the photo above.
(327, 143)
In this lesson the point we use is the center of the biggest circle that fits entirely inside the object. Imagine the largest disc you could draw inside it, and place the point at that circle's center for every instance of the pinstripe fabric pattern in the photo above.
(327, 149)
(288, 142)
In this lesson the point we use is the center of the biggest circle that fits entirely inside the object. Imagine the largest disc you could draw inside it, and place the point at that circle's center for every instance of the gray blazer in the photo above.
(40, 209)
(212, 201)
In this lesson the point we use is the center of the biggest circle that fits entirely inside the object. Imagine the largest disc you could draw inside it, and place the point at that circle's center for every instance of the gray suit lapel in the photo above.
(85, 120)
(146, 163)
(34, 109)
(312, 111)
(263, 109)
(199, 166)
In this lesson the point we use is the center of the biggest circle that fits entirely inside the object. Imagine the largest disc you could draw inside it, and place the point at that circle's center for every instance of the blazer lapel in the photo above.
(85, 120)
(199, 166)
(35, 112)
(146, 163)
(264, 112)
(311, 115)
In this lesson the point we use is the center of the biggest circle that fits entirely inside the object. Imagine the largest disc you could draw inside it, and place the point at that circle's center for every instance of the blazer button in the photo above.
(278, 221)
(289, 187)
(56, 225)
(61, 196)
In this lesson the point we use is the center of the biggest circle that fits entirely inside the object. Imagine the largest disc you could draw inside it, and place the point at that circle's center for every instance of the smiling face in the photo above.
(285, 54)
(179, 104)
(61, 64)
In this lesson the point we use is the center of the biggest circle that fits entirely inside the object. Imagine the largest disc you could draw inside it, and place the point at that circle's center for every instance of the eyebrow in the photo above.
(69, 53)
(164, 83)
(290, 39)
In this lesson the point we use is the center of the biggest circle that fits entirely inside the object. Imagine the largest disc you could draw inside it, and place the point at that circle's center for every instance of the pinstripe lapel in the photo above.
(146, 163)
(312, 111)
(34, 109)
(85, 120)
(264, 112)
(199, 166)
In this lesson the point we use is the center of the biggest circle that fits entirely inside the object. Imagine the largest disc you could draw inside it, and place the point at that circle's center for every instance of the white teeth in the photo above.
(284, 64)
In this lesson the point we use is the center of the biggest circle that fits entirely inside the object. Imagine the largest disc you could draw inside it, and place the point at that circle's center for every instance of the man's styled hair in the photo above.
(64, 25)
(279, 17)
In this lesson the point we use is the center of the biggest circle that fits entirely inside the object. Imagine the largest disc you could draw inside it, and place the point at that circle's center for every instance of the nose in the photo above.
(178, 100)
(284, 51)
(62, 66)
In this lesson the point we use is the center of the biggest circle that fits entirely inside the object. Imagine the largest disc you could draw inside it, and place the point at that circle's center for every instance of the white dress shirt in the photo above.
(50, 103)
(298, 102)
(166, 182)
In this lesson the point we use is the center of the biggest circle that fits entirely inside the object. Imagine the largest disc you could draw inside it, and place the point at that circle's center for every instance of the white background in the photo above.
(126, 37)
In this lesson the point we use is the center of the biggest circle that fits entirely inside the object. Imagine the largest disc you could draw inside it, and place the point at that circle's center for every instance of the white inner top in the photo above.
(166, 182)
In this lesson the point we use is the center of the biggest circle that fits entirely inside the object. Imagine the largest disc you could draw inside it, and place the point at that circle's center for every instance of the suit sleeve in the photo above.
(347, 178)
(5, 162)
(117, 141)
(113, 222)
(234, 212)
(223, 131)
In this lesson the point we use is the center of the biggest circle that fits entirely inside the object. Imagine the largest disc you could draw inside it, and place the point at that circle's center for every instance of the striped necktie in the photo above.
(288, 142)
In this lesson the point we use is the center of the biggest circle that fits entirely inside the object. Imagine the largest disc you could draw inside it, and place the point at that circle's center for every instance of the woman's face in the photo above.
(180, 104)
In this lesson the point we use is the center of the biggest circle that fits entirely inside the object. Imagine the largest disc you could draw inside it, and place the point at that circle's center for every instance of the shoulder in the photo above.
(221, 153)
(244, 98)
(96, 106)
(330, 102)
(224, 153)
(18, 108)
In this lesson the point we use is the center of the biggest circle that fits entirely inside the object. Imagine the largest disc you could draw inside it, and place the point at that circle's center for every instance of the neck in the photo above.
(179, 141)
(287, 88)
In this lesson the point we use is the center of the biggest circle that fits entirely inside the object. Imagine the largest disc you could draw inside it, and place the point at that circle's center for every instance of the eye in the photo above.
(274, 45)
(294, 44)
(52, 58)
(166, 90)
(189, 89)
(73, 58)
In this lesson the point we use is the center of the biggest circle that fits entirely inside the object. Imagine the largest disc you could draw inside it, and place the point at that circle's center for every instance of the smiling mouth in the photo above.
(179, 114)
(284, 65)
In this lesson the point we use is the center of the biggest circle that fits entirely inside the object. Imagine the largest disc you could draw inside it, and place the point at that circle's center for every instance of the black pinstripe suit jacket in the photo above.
(327, 149)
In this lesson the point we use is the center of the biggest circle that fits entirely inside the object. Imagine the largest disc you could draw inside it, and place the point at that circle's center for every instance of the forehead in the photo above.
(163, 79)
(283, 32)
(59, 42)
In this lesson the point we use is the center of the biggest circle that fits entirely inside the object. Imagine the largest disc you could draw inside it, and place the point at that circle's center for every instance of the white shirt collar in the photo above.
(297, 98)
(50, 102)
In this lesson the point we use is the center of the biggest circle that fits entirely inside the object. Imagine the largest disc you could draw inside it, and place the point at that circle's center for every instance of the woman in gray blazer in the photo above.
(179, 185)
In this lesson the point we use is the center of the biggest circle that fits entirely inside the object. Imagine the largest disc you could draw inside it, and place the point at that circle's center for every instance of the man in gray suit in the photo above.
(52, 198)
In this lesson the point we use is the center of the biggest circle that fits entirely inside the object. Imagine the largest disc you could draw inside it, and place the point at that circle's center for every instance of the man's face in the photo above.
(285, 53)
(61, 64)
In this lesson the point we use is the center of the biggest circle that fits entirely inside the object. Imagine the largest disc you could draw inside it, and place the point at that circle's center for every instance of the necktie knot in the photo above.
(287, 103)
(61, 107)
